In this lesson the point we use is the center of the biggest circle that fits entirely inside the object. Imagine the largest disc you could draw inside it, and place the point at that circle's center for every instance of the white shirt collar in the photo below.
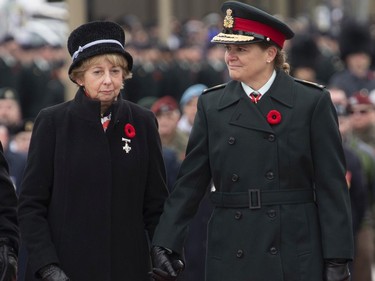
(263, 90)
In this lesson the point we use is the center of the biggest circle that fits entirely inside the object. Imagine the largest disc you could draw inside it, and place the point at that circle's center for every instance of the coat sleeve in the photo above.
(8, 205)
(35, 195)
(191, 186)
(330, 183)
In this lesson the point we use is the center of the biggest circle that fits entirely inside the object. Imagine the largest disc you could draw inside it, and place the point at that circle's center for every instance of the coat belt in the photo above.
(256, 198)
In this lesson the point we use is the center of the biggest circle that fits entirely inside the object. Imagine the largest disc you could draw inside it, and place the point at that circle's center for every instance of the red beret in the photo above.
(360, 97)
(164, 104)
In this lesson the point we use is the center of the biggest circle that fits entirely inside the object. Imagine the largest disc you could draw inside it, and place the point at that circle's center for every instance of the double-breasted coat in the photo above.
(88, 203)
(281, 198)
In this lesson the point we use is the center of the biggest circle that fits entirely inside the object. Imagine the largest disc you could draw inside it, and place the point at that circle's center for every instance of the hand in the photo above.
(336, 270)
(52, 272)
(8, 263)
(166, 264)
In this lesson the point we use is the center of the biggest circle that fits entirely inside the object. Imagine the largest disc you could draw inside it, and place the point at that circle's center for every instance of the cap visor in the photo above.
(223, 38)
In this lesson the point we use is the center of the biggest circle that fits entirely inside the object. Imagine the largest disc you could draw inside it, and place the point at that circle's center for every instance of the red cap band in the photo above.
(259, 28)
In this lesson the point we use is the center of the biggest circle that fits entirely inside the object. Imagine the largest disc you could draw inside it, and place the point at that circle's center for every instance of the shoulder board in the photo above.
(214, 88)
(308, 83)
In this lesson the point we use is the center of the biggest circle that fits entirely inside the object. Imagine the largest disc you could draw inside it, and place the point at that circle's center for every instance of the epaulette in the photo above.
(309, 83)
(214, 88)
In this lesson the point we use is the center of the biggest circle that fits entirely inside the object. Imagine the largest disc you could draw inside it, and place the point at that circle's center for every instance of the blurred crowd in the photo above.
(168, 79)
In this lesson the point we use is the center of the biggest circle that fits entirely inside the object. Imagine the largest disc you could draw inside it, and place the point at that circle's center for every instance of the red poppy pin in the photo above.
(273, 117)
(129, 130)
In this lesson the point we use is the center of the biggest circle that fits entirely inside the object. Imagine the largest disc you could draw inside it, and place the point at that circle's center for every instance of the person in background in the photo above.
(281, 201)
(16, 161)
(39, 82)
(363, 117)
(196, 240)
(20, 142)
(364, 238)
(10, 110)
(305, 58)
(188, 105)
(94, 184)
(10, 65)
(9, 233)
(362, 120)
(171, 160)
(356, 45)
(168, 114)
(213, 71)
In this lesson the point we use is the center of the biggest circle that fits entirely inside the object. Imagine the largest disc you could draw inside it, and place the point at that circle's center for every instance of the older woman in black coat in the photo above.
(95, 181)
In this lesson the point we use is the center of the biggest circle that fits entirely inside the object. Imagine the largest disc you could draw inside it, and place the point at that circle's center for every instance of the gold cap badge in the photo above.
(228, 20)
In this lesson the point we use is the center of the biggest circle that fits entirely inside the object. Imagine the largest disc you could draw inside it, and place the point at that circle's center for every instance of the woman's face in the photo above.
(102, 81)
(249, 62)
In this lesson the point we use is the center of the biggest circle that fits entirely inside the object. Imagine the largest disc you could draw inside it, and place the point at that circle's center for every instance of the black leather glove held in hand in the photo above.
(52, 272)
(8, 263)
(166, 264)
(336, 270)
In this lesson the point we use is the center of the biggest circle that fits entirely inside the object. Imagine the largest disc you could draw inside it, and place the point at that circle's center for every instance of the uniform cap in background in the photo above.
(304, 51)
(360, 97)
(191, 92)
(354, 38)
(8, 93)
(164, 104)
(244, 24)
(147, 102)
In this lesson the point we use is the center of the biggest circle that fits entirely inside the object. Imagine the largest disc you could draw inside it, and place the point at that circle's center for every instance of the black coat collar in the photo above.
(89, 109)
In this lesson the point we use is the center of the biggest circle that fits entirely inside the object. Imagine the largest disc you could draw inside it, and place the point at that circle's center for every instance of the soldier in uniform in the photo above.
(282, 208)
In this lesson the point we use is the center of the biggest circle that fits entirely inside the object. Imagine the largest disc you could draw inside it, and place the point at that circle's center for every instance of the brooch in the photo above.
(130, 133)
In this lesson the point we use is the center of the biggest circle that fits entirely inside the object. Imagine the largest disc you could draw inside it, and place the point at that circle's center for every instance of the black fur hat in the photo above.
(97, 38)
(304, 51)
(354, 38)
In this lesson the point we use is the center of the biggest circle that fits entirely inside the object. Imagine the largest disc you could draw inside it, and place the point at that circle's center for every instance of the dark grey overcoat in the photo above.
(285, 234)
(86, 204)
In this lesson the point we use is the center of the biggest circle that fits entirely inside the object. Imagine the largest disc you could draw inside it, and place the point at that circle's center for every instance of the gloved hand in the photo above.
(8, 262)
(166, 264)
(336, 270)
(52, 272)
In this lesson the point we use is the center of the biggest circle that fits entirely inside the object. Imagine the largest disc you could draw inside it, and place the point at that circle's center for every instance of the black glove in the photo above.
(166, 264)
(336, 270)
(52, 272)
(8, 262)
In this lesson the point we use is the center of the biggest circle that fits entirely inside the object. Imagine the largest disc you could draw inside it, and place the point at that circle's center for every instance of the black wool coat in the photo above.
(8, 206)
(87, 203)
(233, 143)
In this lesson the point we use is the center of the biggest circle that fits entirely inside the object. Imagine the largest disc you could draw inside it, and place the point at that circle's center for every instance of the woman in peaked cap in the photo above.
(271, 146)
(95, 183)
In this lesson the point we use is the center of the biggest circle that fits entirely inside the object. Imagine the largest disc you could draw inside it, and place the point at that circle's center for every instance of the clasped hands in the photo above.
(167, 265)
